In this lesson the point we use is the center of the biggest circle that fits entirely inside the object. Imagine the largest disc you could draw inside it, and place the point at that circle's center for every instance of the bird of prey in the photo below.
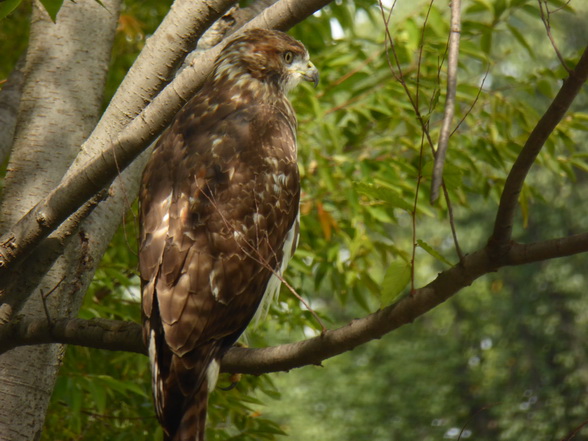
(219, 219)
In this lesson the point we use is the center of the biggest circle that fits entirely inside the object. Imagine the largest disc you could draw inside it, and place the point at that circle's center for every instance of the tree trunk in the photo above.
(65, 70)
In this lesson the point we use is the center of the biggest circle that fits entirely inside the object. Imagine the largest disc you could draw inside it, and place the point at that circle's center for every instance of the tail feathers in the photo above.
(193, 420)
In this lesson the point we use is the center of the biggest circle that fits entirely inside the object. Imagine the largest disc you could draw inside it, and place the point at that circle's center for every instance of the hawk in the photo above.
(219, 219)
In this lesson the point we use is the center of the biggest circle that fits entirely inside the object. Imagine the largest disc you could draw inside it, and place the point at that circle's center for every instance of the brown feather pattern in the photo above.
(218, 198)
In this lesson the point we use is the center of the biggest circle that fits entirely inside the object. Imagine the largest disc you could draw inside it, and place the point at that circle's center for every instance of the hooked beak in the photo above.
(311, 74)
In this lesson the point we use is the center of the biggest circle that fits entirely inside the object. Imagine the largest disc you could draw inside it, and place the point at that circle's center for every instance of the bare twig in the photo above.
(399, 76)
(545, 17)
(452, 61)
(396, 70)
(414, 213)
(357, 332)
(421, 48)
(514, 182)
(452, 222)
(44, 298)
(44, 302)
(520, 254)
(466, 114)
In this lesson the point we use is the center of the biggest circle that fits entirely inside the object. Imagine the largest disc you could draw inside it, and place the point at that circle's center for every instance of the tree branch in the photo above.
(154, 67)
(126, 336)
(514, 182)
(452, 61)
(99, 172)
(45, 255)
(96, 333)
(550, 249)
(545, 17)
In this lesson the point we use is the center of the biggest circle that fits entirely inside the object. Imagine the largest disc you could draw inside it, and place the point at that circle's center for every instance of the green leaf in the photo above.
(429, 249)
(499, 8)
(119, 386)
(7, 6)
(521, 39)
(486, 41)
(383, 194)
(52, 7)
(479, 6)
(395, 280)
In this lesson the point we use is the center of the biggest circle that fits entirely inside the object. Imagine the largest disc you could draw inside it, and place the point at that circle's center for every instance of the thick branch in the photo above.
(516, 178)
(126, 336)
(164, 51)
(536, 252)
(27, 233)
(96, 333)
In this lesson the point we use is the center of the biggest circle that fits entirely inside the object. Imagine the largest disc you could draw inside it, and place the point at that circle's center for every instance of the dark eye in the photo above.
(288, 57)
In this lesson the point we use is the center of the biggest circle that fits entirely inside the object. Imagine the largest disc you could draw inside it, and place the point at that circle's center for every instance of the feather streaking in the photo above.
(219, 219)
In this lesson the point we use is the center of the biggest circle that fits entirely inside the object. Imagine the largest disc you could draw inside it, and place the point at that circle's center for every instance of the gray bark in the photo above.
(65, 69)
(9, 102)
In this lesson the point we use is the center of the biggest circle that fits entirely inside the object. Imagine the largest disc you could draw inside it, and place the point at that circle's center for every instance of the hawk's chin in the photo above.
(302, 70)
(311, 74)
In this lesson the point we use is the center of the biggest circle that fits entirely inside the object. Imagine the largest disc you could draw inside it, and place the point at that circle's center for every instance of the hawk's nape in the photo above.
(219, 219)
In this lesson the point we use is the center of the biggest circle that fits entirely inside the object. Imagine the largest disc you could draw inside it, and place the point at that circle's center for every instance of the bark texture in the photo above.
(64, 74)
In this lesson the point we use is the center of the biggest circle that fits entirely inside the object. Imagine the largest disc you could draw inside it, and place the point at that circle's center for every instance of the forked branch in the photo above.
(503, 224)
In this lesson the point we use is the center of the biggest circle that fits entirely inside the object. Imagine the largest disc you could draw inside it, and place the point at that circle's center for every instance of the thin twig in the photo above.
(413, 214)
(452, 222)
(421, 47)
(390, 47)
(467, 113)
(47, 315)
(399, 76)
(44, 298)
(545, 17)
(452, 61)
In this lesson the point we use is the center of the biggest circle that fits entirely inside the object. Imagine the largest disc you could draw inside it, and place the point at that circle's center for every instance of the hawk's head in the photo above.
(268, 56)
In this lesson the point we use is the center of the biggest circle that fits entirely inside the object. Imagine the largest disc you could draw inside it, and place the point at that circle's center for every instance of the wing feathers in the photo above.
(219, 205)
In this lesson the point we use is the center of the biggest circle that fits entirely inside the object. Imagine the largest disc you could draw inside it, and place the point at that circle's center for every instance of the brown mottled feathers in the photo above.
(219, 198)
